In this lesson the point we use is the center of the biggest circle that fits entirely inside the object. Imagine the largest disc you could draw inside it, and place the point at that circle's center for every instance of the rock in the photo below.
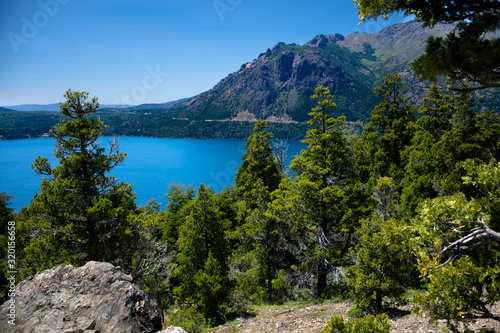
(95, 298)
(173, 329)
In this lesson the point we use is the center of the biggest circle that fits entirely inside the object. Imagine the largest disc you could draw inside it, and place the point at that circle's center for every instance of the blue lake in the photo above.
(151, 164)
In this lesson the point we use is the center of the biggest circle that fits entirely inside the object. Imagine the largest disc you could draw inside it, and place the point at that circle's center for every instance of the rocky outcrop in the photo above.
(95, 298)
(322, 41)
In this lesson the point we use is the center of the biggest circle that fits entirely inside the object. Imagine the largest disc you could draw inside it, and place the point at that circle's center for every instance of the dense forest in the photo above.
(410, 204)
(143, 122)
(406, 210)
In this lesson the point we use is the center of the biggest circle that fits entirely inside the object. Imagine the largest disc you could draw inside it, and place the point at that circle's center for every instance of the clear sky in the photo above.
(149, 51)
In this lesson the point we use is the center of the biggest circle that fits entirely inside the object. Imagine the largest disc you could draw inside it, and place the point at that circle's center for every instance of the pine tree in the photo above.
(322, 173)
(384, 266)
(81, 212)
(203, 252)
(389, 131)
(419, 182)
(449, 132)
(257, 177)
(258, 163)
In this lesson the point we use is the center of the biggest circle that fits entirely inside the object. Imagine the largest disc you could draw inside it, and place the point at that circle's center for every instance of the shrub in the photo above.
(188, 319)
(370, 324)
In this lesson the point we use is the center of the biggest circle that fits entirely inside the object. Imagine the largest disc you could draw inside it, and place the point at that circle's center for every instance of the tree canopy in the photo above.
(468, 55)
(81, 213)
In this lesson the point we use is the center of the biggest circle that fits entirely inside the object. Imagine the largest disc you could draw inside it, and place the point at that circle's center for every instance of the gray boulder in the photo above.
(95, 298)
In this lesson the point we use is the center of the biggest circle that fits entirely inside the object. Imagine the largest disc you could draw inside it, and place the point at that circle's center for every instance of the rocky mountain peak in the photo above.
(321, 41)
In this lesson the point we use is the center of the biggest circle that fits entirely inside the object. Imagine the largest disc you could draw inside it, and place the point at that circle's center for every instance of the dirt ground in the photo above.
(313, 318)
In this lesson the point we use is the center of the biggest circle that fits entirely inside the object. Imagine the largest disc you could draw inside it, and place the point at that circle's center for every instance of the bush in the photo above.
(356, 312)
(370, 324)
(188, 319)
(337, 292)
(385, 267)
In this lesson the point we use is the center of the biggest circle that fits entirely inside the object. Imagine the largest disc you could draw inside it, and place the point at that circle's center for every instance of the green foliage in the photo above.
(449, 132)
(153, 261)
(458, 289)
(356, 312)
(472, 136)
(369, 324)
(258, 164)
(465, 54)
(211, 288)
(81, 213)
(390, 130)
(179, 197)
(384, 266)
(258, 234)
(322, 173)
(457, 249)
(202, 258)
(188, 319)
(281, 284)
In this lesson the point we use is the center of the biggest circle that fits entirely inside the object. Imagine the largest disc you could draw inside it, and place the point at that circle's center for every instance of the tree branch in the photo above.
(462, 244)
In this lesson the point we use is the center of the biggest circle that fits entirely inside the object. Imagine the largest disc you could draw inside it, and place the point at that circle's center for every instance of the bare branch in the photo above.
(463, 244)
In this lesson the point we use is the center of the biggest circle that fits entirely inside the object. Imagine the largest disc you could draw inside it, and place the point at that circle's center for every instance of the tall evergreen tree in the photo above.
(387, 134)
(81, 212)
(419, 183)
(203, 252)
(384, 267)
(449, 132)
(322, 173)
(257, 177)
(472, 135)
(258, 163)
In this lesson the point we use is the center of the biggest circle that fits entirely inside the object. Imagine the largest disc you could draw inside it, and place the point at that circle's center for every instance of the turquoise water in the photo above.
(151, 164)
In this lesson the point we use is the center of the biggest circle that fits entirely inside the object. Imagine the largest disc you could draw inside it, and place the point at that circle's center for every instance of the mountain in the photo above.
(278, 84)
(158, 105)
(55, 107)
(34, 107)
(275, 87)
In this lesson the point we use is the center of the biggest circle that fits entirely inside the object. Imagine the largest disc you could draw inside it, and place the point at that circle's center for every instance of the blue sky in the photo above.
(149, 51)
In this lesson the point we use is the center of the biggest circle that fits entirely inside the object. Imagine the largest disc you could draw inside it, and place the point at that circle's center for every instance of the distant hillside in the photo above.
(55, 107)
(278, 84)
(158, 105)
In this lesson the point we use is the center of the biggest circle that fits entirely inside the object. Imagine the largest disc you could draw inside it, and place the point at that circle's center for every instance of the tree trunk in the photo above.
(378, 300)
(321, 280)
